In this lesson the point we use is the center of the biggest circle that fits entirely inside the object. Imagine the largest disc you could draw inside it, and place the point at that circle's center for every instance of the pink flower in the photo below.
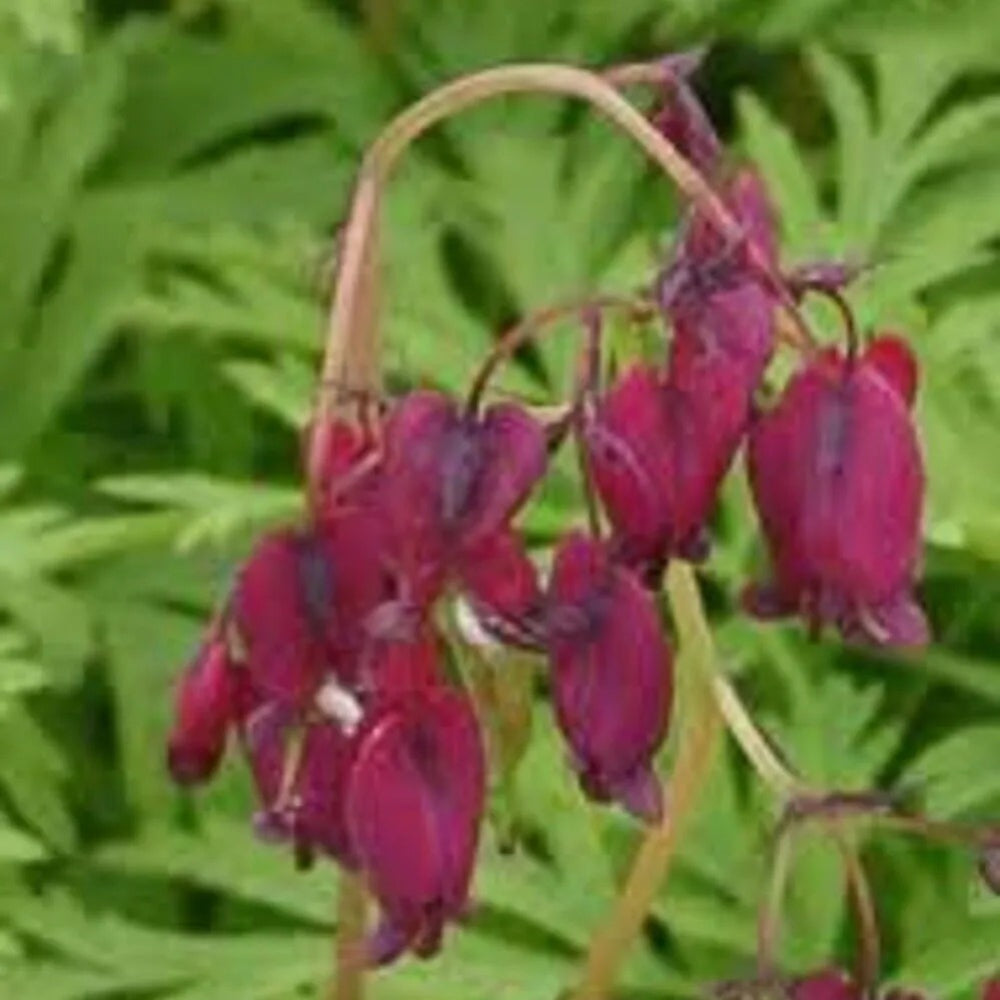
(450, 481)
(300, 605)
(838, 482)
(715, 302)
(658, 449)
(413, 806)
(611, 675)
(630, 453)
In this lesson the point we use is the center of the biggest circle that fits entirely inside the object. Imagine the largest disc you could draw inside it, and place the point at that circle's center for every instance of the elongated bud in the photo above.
(205, 707)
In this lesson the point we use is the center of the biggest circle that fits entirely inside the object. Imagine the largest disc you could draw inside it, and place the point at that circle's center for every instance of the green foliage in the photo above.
(169, 190)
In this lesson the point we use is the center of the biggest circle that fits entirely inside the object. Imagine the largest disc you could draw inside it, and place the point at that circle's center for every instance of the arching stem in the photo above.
(351, 333)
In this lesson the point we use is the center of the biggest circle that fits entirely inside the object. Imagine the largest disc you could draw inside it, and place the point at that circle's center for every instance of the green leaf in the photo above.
(224, 855)
(32, 774)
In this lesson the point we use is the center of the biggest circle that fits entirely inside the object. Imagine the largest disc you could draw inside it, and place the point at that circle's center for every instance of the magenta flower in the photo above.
(301, 764)
(300, 772)
(300, 605)
(450, 481)
(715, 302)
(838, 482)
(206, 706)
(612, 678)
(630, 456)
(658, 449)
(413, 806)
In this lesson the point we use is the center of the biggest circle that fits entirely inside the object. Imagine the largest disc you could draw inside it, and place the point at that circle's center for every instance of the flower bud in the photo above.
(206, 704)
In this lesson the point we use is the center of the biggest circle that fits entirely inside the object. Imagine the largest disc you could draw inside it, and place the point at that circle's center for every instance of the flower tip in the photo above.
(641, 794)
(190, 765)
(894, 360)
(899, 623)
(385, 944)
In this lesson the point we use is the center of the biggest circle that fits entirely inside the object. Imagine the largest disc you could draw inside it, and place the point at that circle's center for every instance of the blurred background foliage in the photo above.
(171, 179)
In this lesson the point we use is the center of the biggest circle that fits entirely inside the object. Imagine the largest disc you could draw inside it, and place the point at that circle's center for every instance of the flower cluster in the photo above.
(327, 660)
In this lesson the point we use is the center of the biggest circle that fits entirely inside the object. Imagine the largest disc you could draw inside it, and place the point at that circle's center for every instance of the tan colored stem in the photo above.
(349, 952)
(863, 900)
(769, 919)
(702, 726)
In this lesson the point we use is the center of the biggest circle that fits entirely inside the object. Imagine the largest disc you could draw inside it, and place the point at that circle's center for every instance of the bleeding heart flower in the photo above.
(206, 705)
(658, 449)
(450, 481)
(414, 802)
(989, 864)
(711, 295)
(838, 482)
(300, 603)
(612, 676)
(630, 454)
(348, 462)
(301, 762)
(301, 772)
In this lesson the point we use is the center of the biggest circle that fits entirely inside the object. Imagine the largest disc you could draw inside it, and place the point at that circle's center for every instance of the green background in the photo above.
(170, 181)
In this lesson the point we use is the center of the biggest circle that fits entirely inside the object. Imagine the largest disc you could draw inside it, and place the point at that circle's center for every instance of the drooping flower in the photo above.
(450, 481)
(611, 675)
(838, 482)
(301, 763)
(413, 806)
(715, 301)
(299, 606)
(300, 771)
(989, 863)
(658, 448)
(630, 454)
(206, 707)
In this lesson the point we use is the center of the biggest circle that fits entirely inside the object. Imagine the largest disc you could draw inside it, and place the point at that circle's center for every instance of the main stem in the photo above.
(699, 740)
